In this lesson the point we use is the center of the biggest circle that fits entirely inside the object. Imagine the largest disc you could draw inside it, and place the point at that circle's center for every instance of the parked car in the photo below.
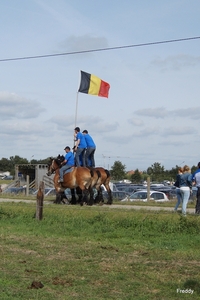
(117, 195)
(170, 191)
(129, 188)
(7, 177)
(142, 196)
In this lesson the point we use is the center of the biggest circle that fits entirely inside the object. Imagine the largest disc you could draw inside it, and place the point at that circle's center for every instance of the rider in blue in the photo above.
(196, 180)
(91, 147)
(80, 147)
(67, 163)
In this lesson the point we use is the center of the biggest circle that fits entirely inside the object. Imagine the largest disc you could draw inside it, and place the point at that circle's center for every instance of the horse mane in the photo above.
(59, 159)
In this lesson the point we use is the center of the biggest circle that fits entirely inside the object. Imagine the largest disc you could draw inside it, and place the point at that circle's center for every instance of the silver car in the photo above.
(142, 196)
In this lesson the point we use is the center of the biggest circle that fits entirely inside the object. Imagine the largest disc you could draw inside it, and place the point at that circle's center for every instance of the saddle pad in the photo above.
(69, 170)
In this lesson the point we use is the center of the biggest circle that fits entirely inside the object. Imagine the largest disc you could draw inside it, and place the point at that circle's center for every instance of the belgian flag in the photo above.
(91, 84)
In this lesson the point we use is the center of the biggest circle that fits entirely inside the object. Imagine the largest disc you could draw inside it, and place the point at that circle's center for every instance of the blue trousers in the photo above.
(179, 198)
(89, 157)
(185, 192)
(63, 169)
(80, 152)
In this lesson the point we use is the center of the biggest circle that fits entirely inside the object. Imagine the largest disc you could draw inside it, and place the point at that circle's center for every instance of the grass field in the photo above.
(97, 253)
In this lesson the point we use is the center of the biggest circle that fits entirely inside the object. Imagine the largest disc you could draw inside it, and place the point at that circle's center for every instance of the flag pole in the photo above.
(76, 109)
(77, 103)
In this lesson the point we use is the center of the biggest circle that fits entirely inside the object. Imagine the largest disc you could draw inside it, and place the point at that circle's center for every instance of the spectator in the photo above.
(196, 180)
(67, 163)
(177, 185)
(80, 147)
(91, 148)
(185, 186)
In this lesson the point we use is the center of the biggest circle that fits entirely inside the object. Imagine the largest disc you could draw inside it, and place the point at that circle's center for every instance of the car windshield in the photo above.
(139, 195)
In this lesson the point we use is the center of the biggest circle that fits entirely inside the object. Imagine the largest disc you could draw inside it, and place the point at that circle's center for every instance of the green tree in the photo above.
(136, 177)
(40, 161)
(118, 171)
(156, 171)
(194, 168)
(4, 164)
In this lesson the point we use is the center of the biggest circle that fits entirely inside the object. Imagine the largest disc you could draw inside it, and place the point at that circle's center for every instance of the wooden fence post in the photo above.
(148, 188)
(27, 185)
(39, 203)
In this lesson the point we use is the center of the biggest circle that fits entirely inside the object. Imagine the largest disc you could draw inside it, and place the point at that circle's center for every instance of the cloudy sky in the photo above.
(153, 110)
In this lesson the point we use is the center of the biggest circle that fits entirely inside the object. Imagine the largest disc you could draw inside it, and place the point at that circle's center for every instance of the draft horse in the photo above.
(101, 177)
(104, 179)
(79, 177)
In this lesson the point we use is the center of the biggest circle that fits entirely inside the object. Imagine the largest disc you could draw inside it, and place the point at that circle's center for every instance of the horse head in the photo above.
(59, 159)
(54, 164)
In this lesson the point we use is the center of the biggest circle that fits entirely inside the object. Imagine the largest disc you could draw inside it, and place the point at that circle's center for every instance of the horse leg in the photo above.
(99, 198)
(58, 198)
(110, 200)
(84, 198)
(79, 194)
(63, 196)
(73, 201)
(91, 200)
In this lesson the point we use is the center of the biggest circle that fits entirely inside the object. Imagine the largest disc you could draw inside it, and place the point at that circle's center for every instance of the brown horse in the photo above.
(104, 179)
(101, 177)
(79, 177)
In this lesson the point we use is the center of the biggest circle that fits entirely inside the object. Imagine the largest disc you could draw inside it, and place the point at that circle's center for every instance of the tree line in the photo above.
(9, 164)
(156, 172)
(118, 171)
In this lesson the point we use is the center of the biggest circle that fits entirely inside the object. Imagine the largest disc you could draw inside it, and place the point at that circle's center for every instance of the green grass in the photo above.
(6, 181)
(97, 253)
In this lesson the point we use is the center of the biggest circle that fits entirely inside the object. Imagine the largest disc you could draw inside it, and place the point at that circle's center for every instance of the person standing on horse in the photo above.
(67, 163)
(91, 147)
(80, 147)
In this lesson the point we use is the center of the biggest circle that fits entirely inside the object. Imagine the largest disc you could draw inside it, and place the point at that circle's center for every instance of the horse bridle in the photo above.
(53, 170)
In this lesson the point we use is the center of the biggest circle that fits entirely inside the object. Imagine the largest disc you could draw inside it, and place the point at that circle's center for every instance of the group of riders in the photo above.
(82, 155)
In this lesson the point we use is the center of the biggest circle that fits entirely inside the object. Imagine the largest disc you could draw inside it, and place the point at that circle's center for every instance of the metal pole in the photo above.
(76, 109)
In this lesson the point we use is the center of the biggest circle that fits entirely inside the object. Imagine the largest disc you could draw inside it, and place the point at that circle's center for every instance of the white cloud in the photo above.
(190, 112)
(179, 130)
(161, 112)
(136, 121)
(158, 113)
(14, 106)
(85, 42)
(176, 62)
(25, 129)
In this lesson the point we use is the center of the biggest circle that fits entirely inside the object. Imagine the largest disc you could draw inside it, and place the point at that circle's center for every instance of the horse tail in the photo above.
(91, 172)
(107, 173)
(98, 173)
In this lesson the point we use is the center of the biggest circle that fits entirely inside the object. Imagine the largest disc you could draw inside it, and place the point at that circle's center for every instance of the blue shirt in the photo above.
(186, 180)
(69, 157)
(89, 141)
(81, 137)
(196, 177)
